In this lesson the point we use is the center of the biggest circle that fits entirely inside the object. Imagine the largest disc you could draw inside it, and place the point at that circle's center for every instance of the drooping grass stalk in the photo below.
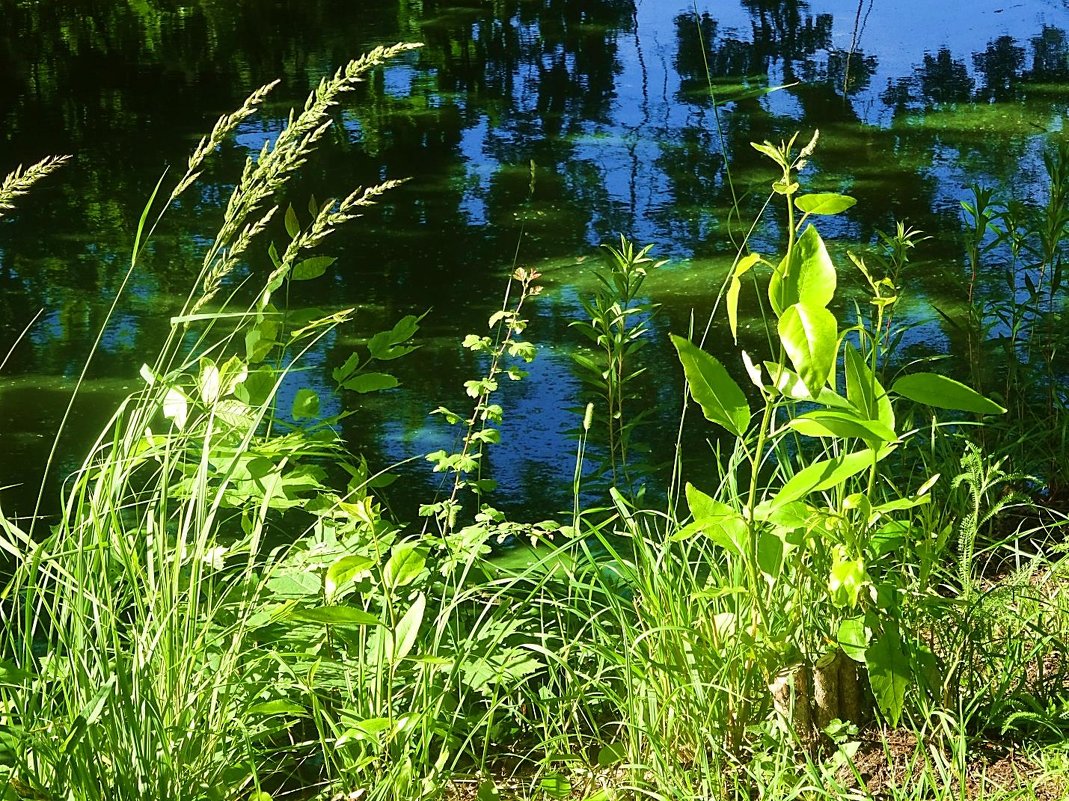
(131, 625)
(19, 181)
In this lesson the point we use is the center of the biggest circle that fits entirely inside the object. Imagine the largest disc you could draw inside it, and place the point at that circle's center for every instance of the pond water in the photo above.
(533, 131)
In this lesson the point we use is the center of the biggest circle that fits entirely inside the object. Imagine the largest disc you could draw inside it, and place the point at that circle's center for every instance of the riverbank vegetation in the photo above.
(861, 593)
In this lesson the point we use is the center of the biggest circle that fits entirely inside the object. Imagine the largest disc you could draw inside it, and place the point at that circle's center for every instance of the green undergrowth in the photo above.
(858, 595)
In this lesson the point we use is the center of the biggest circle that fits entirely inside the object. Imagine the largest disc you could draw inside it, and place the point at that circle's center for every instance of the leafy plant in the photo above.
(816, 546)
(617, 325)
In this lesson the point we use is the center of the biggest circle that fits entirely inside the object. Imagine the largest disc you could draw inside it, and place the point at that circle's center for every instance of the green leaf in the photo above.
(810, 335)
(370, 382)
(769, 151)
(853, 637)
(864, 391)
(714, 519)
(387, 345)
(175, 407)
(787, 383)
(846, 579)
(278, 707)
(937, 390)
(342, 572)
(311, 268)
(717, 394)
(404, 637)
(889, 673)
(555, 785)
(825, 474)
(305, 405)
(407, 560)
(612, 754)
(823, 203)
(734, 288)
(842, 424)
(806, 275)
(488, 791)
(769, 553)
(293, 226)
(335, 616)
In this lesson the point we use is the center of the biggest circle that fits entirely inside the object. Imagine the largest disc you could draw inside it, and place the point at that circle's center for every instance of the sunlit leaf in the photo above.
(370, 382)
(311, 268)
(937, 390)
(342, 572)
(277, 707)
(720, 398)
(889, 673)
(824, 203)
(806, 276)
(853, 637)
(824, 474)
(175, 407)
(810, 335)
(405, 564)
(735, 287)
(864, 390)
(293, 225)
(305, 405)
(841, 424)
(408, 629)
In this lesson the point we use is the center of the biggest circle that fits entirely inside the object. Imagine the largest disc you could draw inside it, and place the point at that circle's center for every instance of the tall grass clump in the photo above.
(135, 663)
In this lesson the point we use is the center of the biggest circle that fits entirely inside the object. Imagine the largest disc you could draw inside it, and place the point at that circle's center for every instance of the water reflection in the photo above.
(536, 129)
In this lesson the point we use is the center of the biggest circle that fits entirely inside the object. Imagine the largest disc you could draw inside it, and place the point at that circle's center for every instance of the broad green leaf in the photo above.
(404, 637)
(787, 383)
(311, 268)
(612, 754)
(810, 335)
(370, 382)
(822, 475)
(305, 405)
(734, 288)
(889, 673)
(715, 520)
(11, 674)
(769, 553)
(846, 579)
(407, 560)
(343, 571)
(366, 730)
(841, 424)
(864, 391)
(823, 203)
(488, 791)
(555, 785)
(335, 616)
(293, 226)
(853, 637)
(937, 390)
(717, 394)
(807, 276)
(257, 388)
(387, 345)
